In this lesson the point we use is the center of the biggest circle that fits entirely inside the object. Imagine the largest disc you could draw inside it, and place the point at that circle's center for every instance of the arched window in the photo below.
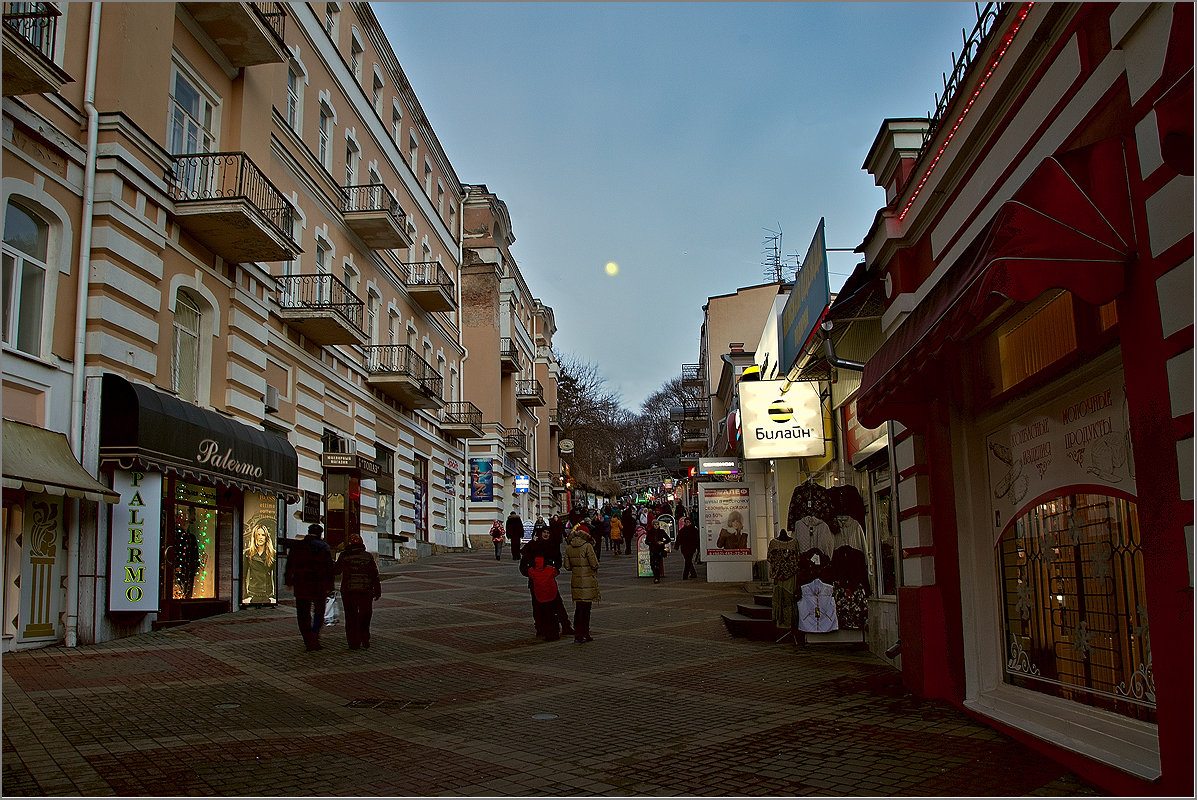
(185, 354)
(1074, 604)
(26, 246)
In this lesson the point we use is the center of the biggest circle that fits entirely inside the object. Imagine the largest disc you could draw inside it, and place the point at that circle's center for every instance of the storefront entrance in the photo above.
(198, 534)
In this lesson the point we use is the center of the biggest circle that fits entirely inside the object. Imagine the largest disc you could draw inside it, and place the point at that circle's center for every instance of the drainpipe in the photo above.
(465, 501)
(83, 275)
(832, 359)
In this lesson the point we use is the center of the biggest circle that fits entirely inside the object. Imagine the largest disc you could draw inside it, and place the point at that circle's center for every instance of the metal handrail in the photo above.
(275, 18)
(321, 291)
(987, 16)
(402, 359)
(230, 176)
(427, 273)
(516, 440)
(508, 350)
(532, 387)
(463, 412)
(36, 23)
(691, 372)
(372, 197)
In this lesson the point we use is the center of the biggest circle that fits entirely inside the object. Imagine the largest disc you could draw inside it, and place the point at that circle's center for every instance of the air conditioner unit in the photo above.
(271, 398)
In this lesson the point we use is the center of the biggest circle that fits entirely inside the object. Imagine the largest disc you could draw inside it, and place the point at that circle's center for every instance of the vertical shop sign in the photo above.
(724, 521)
(136, 542)
(482, 479)
(259, 547)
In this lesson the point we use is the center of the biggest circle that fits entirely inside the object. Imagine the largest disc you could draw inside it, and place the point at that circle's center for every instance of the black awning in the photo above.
(141, 425)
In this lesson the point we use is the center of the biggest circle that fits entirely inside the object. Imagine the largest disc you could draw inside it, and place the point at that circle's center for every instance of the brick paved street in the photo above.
(449, 700)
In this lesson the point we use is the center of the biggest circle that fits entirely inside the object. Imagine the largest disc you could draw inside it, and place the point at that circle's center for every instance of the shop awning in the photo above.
(142, 426)
(38, 460)
(1069, 227)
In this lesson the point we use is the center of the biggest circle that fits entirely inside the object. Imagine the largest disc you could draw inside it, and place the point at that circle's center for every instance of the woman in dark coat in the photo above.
(656, 541)
(583, 563)
(687, 542)
(360, 587)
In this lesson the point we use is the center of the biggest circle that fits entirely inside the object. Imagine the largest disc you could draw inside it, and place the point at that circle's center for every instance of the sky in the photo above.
(668, 139)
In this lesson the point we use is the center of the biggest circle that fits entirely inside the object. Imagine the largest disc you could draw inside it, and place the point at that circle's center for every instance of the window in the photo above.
(323, 286)
(428, 179)
(192, 117)
(325, 152)
(332, 12)
(420, 498)
(440, 200)
(396, 123)
(372, 303)
(453, 218)
(355, 57)
(185, 355)
(26, 245)
(392, 328)
(1074, 603)
(376, 96)
(294, 98)
(351, 157)
(412, 148)
(350, 276)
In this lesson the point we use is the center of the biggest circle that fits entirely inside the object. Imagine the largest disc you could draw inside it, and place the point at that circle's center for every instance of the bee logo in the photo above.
(780, 411)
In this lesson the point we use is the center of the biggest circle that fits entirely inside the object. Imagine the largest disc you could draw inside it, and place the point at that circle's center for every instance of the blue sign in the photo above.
(810, 297)
(522, 482)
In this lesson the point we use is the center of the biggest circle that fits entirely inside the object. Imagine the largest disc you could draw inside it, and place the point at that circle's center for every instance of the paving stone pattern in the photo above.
(456, 697)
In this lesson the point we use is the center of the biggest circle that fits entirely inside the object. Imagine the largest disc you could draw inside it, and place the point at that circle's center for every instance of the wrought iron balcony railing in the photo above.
(229, 176)
(691, 372)
(516, 440)
(402, 359)
(509, 354)
(462, 413)
(36, 23)
(427, 273)
(373, 197)
(275, 18)
(530, 390)
(321, 292)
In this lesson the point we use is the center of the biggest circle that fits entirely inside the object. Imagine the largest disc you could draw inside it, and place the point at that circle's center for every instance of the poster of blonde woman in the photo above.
(258, 554)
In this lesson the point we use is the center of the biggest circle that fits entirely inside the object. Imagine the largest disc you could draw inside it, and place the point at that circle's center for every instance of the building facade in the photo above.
(1036, 258)
(232, 248)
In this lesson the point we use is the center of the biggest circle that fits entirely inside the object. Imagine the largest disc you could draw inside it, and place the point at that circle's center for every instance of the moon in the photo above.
(612, 268)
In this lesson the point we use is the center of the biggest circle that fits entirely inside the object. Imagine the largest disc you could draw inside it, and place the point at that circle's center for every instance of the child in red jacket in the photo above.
(544, 599)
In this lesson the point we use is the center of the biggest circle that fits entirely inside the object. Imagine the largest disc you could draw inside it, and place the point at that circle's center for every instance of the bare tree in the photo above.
(589, 414)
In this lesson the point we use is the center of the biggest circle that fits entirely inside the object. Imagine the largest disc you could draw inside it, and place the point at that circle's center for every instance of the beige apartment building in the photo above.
(232, 249)
(512, 376)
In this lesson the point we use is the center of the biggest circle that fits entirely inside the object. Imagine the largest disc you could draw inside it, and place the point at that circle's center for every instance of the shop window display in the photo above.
(192, 548)
(1074, 604)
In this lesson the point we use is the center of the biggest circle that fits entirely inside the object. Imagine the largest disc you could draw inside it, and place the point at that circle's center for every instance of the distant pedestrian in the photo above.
(498, 536)
(687, 542)
(360, 587)
(616, 533)
(515, 532)
(583, 564)
(627, 519)
(310, 574)
(656, 540)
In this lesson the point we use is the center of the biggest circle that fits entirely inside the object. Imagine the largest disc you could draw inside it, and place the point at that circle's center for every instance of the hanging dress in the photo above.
(783, 570)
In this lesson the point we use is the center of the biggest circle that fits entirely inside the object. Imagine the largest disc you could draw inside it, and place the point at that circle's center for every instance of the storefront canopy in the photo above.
(38, 460)
(142, 426)
(1069, 227)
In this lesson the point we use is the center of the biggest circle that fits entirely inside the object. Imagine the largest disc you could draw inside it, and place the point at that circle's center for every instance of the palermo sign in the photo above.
(777, 425)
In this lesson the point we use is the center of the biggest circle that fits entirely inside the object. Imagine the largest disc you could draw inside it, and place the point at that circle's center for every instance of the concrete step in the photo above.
(761, 630)
(755, 611)
(763, 599)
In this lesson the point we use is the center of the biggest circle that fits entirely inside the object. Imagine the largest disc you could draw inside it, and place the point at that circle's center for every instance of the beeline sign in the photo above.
(778, 425)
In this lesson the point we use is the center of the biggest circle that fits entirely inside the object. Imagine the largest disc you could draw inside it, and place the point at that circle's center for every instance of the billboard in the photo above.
(725, 521)
(781, 425)
(482, 479)
(259, 545)
(810, 297)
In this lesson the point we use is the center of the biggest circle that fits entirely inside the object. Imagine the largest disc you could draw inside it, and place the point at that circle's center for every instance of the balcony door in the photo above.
(192, 125)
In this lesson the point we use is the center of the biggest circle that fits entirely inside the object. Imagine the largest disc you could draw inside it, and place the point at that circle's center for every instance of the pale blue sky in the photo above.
(667, 137)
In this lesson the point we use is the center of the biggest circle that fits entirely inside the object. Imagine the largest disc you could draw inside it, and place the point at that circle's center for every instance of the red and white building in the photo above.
(1036, 253)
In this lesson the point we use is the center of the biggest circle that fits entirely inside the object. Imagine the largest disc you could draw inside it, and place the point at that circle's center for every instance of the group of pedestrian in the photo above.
(311, 574)
(541, 562)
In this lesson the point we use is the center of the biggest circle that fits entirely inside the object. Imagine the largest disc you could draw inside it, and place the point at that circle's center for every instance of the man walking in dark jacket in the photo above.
(687, 542)
(360, 587)
(310, 574)
(515, 532)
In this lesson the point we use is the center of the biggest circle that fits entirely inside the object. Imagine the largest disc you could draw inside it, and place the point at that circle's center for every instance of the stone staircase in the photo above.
(754, 620)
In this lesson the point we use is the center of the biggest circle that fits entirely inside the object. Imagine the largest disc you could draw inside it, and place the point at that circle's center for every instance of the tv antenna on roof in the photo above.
(776, 269)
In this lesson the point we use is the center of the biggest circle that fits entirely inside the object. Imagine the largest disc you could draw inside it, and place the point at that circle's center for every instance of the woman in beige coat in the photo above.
(583, 564)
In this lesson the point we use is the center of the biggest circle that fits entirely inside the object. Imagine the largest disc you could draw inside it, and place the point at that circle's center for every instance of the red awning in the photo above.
(1069, 226)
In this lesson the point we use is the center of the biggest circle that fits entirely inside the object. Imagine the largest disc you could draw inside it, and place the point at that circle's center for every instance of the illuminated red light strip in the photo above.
(1022, 15)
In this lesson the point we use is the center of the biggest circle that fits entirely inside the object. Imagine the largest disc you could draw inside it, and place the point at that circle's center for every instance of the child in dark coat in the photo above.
(544, 599)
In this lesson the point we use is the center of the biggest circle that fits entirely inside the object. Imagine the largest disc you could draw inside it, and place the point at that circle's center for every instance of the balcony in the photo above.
(430, 286)
(694, 441)
(529, 392)
(224, 201)
(29, 35)
(322, 308)
(516, 443)
(373, 213)
(247, 33)
(399, 373)
(695, 414)
(554, 423)
(462, 420)
(692, 374)
(509, 355)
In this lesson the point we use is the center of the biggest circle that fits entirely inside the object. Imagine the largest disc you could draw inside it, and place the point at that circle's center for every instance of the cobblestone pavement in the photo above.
(456, 697)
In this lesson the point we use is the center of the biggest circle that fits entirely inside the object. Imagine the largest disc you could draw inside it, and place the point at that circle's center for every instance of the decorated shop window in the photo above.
(1074, 605)
(191, 552)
